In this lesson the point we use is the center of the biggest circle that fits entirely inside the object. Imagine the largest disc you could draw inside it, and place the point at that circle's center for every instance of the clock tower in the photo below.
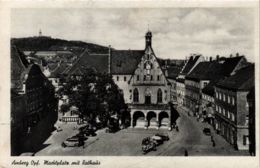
(148, 39)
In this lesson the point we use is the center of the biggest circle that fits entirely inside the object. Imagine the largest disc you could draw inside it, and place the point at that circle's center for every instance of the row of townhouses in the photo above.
(221, 92)
(33, 105)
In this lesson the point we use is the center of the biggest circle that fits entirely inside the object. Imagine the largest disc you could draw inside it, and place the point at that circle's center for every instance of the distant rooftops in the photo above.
(190, 64)
(217, 69)
(242, 79)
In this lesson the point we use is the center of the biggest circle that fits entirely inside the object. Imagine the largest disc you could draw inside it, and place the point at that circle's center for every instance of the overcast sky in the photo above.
(177, 32)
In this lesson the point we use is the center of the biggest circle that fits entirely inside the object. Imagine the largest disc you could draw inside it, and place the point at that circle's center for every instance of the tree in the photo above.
(95, 95)
(64, 108)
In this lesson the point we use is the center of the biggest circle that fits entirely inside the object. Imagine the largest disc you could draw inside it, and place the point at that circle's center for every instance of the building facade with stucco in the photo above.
(145, 87)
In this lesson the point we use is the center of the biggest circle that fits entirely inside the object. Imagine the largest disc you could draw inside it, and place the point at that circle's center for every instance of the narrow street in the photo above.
(191, 138)
(127, 142)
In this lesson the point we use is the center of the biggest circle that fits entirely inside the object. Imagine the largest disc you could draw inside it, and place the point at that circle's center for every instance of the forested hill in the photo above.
(51, 44)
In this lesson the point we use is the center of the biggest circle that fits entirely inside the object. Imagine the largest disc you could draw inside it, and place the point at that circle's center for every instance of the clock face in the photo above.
(148, 66)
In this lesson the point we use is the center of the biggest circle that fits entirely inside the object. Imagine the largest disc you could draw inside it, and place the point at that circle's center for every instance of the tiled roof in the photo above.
(99, 62)
(19, 65)
(191, 62)
(52, 66)
(230, 64)
(206, 71)
(59, 70)
(243, 79)
(227, 68)
(122, 62)
(173, 72)
(125, 61)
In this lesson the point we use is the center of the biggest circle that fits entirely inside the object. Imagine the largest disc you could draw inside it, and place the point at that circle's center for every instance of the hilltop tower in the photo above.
(40, 33)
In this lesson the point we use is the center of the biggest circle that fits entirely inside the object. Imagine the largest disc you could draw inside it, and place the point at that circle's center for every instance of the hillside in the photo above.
(51, 44)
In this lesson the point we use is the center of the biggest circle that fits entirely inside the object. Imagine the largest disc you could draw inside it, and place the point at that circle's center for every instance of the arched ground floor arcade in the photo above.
(151, 119)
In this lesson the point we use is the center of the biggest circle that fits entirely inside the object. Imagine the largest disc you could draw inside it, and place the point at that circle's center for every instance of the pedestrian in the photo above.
(186, 153)
(212, 139)
(213, 143)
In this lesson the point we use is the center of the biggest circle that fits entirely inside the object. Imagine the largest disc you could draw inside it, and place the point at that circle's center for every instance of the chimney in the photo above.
(210, 59)
(230, 55)
(191, 57)
(109, 59)
(237, 54)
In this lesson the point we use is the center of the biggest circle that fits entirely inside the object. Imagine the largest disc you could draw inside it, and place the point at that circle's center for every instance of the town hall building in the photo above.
(149, 91)
(141, 79)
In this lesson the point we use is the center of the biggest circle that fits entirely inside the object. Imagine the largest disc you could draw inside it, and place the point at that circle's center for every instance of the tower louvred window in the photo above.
(159, 96)
(136, 95)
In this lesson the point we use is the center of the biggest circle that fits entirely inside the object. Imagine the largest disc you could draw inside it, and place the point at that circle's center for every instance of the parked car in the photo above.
(148, 145)
(157, 140)
(87, 131)
(207, 131)
(164, 137)
(82, 136)
(74, 141)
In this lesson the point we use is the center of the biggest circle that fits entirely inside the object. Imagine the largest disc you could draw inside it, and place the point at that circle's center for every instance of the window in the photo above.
(137, 77)
(216, 108)
(124, 78)
(158, 77)
(217, 95)
(228, 99)
(233, 101)
(220, 97)
(232, 117)
(246, 122)
(205, 84)
(245, 140)
(224, 112)
(228, 114)
(220, 110)
(136, 95)
(224, 97)
(151, 77)
(144, 77)
(117, 78)
(159, 96)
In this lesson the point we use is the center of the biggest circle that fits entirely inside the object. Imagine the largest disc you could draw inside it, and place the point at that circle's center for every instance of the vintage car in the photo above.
(157, 140)
(148, 145)
(87, 131)
(164, 137)
(74, 141)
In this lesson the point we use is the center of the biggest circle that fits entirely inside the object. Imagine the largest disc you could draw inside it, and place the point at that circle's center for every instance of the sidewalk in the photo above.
(222, 147)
